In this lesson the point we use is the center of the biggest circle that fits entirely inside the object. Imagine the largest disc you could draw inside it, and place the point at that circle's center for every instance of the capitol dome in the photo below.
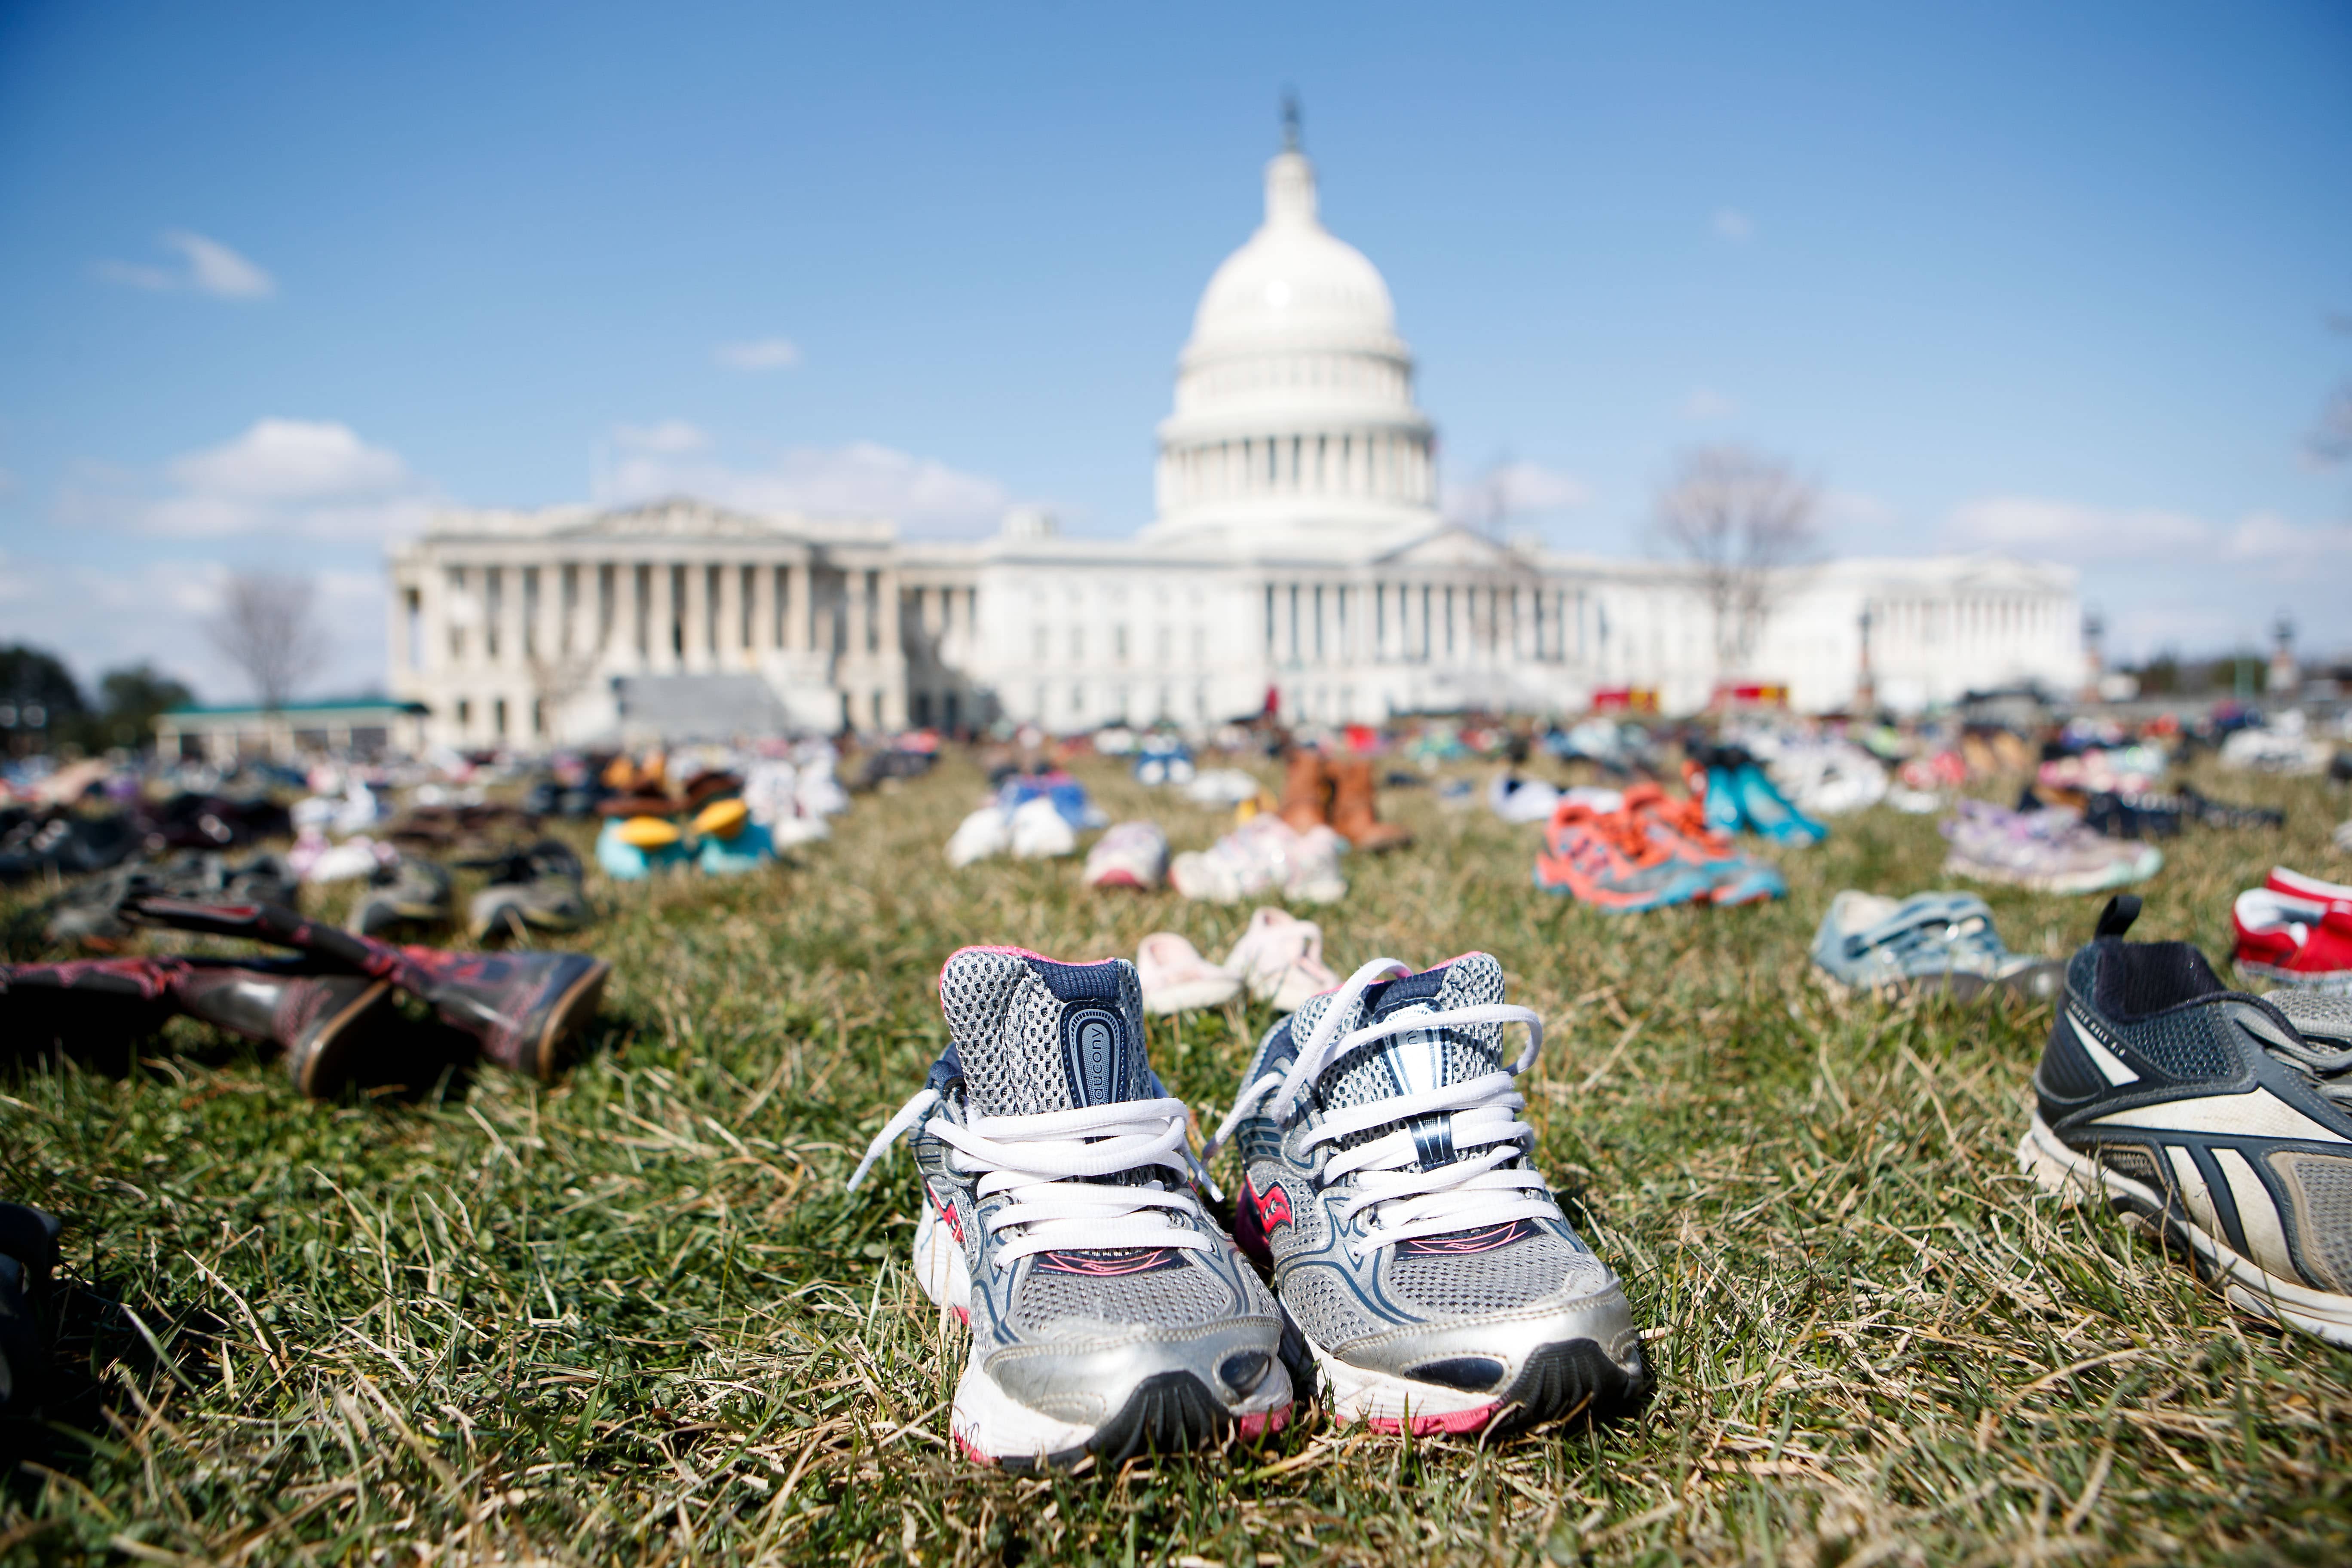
(1294, 396)
(1295, 281)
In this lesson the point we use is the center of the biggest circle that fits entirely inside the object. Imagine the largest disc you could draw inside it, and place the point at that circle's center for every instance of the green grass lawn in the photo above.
(635, 1318)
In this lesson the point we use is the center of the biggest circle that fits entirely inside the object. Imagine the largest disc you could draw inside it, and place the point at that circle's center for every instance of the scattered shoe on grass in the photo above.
(1263, 855)
(531, 890)
(1680, 827)
(1109, 1314)
(728, 842)
(28, 1253)
(633, 849)
(1934, 942)
(1176, 978)
(412, 897)
(2295, 931)
(1280, 959)
(1389, 1190)
(1611, 861)
(1128, 855)
(2050, 851)
(2211, 1119)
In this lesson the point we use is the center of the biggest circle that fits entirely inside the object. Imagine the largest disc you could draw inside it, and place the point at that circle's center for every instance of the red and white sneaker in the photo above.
(2291, 941)
(2310, 890)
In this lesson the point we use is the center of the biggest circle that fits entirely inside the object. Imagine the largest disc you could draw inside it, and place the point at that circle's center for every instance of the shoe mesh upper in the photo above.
(1479, 1284)
(1366, 1075)
(2324, 1184)
(1006, 1022)
(2315, 1014)
(1326, 1310)
(2185, 1044)
(1183, 1297)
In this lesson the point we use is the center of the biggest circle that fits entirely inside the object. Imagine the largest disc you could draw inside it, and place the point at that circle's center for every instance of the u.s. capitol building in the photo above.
(1298, 555)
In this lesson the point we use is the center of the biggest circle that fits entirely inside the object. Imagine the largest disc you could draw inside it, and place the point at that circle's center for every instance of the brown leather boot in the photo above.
(1354, 812)
(1307, 792)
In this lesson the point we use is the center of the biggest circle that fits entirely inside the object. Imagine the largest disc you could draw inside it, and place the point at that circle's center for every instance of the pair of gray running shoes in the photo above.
(1420, 1270)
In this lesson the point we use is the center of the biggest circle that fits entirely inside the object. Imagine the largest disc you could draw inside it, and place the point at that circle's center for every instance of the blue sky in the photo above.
(276, 279)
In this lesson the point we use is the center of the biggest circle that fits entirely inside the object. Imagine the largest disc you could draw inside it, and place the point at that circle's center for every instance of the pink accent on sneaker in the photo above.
(1460, 1422)
(974, 1455)
(1260, 1425)
(1023, 952)
(963, 1316)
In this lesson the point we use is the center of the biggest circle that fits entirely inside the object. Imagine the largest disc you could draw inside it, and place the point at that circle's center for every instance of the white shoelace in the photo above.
(1474, 1191)
(1045, 1162)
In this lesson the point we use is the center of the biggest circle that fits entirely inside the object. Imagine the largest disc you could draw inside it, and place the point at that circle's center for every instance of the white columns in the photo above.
(698, 615)
(763, 613)
(510, 615)
(734, 644)
(661, 618)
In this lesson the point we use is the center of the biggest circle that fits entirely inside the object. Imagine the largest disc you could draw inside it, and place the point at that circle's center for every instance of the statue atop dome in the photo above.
(1290, 137)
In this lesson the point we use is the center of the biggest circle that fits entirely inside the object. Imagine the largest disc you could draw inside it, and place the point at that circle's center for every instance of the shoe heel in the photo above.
(2057, 1180)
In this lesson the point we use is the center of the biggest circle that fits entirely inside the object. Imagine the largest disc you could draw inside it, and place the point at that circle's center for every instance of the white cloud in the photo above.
(923, 496)
(669, 438)
(1706, 402)
(281, 478)
(2263, 537)
(205, 266)
(1513, 490)
(1733, 225)
(2029, 525)
(758, 354)
(292, 460)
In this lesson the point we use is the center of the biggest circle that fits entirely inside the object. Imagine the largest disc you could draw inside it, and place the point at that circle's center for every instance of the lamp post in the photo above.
(1865, 687)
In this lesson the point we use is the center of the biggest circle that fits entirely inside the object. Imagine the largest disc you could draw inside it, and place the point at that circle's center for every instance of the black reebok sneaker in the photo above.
(2215, 1120)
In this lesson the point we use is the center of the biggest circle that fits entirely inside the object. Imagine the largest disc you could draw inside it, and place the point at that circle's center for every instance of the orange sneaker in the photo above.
(1680, 827)
(1611, 861)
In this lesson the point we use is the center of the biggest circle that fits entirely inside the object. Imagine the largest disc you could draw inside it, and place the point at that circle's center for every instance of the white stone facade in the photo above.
(1298, 556)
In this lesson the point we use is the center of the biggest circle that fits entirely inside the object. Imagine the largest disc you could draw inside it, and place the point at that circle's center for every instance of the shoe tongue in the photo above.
(1420, 1059)
(1035, 1036)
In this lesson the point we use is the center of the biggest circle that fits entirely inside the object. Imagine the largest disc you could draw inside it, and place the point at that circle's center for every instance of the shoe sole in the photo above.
(1568, 1380)
(2121, 875)
(569, 1015)
(2064, 1174)
(327, 1065)
(1677, 894)
(1167, 1412)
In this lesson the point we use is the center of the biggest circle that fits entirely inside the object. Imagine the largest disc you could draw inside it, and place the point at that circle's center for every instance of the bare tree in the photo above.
(1487, 505)
(1741, 517)
(267, 626)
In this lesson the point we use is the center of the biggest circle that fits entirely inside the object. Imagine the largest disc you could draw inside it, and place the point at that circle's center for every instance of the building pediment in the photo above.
(677, 518)
(1453, 545)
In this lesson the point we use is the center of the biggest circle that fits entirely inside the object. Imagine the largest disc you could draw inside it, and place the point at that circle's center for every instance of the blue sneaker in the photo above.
(1930, 941)
(1768, 811)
